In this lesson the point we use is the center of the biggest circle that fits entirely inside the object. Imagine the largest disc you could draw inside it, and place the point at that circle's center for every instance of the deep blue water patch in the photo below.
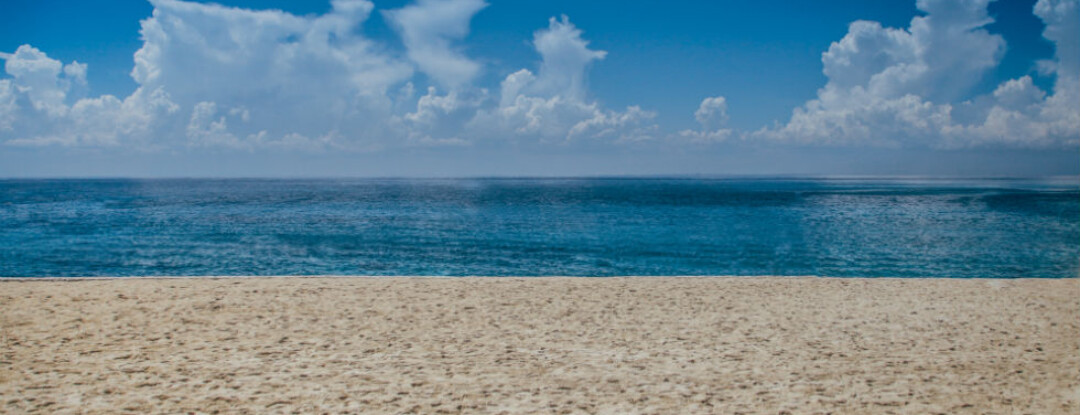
(501, 227)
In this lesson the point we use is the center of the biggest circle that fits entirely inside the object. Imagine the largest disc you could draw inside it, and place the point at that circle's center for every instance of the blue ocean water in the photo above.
(499, 227)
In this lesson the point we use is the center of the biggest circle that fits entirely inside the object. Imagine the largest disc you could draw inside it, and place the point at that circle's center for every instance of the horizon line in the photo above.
(689, 176)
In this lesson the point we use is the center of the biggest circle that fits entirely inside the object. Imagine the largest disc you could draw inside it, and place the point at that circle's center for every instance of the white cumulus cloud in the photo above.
(44, 81)
(439, 119)
(273, 75)
(36, 107)
(289, 74)
(1021, 114)
(216, 77)
(553, 104)
(428, 29)
(901, 87)
(713, 117)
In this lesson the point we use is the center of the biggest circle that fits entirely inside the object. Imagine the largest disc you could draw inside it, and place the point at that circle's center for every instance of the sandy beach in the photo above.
(540, 345)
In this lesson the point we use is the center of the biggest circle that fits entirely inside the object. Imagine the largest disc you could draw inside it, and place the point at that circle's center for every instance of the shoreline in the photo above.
(539, 344)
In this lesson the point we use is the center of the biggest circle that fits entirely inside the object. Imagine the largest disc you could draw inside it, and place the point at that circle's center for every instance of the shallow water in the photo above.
(587, 227)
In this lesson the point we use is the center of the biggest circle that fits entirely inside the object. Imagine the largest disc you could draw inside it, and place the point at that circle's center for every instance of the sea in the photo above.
(595, 227)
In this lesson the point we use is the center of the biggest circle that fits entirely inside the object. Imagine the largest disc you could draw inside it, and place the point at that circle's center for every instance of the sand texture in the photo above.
(542, 345)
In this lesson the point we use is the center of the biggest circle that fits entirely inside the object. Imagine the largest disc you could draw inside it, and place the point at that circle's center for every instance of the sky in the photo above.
(435, 88)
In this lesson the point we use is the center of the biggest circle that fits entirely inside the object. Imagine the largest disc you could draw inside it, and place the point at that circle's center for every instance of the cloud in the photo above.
(553, 105)
(1062, 18)
(44, 81)
(713, 117)
(712, 113)
(428, 27)
(901, 87)
(566, 56)
(1018, 112)
(275, 75)
(206, 128)
(438, 119)
(939, 57)
(290, 74)
(216, 77)
(36, 107)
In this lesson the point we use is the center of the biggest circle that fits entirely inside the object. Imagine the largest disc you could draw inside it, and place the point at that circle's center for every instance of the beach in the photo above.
(540, 345)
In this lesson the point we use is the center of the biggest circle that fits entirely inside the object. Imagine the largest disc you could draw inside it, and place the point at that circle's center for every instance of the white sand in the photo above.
(547, 345)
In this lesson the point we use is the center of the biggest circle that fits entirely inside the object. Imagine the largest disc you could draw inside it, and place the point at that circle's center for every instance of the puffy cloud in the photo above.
(627, 125)
(43, 80)
(1062, 18)
(430, 106)
(552, 104)
(290, 74)
(713, 117)
(428, 28)
(438, 119)
(565, 59)
(1022, 114)
(210, 76)
(275, 75)
(881, 80)
(1019, 94)
(558, 118)
(107, 120)
(206, 128)
(895, 87)
(50, 116)
(712, 113)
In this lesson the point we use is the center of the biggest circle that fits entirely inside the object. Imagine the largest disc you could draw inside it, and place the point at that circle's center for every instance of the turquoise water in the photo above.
(498, 227)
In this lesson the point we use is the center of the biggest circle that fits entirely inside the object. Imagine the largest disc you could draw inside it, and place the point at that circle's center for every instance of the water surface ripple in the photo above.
(582, 227)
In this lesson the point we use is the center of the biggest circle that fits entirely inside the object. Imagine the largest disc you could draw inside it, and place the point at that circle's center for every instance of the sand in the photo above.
(540, 345)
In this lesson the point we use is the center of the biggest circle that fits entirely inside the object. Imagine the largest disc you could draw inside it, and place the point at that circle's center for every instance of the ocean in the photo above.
(534, 227)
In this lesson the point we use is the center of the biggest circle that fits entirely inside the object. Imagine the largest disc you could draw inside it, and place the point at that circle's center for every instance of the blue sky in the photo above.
(625, 88)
